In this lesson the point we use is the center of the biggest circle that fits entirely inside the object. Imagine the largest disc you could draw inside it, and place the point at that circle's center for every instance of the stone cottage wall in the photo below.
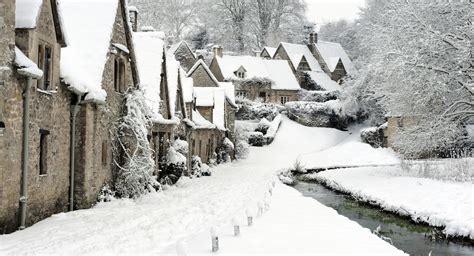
(95, 127)
(185, 57)
(202, 79)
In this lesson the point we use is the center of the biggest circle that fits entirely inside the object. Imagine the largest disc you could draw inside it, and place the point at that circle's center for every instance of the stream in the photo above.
(407, 236)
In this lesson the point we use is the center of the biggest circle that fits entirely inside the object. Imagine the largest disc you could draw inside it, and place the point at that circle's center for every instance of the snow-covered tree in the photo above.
(135, 163)
(420, 63)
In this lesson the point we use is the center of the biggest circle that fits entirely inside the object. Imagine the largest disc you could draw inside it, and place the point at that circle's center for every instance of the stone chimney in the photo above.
(133, 14)
(313, 38)
(218, 51)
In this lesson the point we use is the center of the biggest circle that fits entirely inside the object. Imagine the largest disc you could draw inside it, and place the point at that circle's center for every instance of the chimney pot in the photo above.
(218, 51)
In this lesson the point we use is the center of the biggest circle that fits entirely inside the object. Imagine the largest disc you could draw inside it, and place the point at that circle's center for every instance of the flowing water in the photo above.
(412, 238)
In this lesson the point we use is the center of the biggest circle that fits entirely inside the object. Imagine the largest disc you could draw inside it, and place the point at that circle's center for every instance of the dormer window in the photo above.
(240, 73)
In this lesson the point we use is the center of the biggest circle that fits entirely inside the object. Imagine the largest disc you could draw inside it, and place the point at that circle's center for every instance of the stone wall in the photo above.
(203, 143)
(206, 112)
(202, 79)
(185, 57)
(95, 126)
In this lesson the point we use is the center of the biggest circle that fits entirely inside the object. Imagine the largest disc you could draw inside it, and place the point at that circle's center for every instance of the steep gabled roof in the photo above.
(269, 50)
(332, 53)
(90, 24)
(173, 48)
(295, 52)
(27, 13)
(149, 52)
(200, 63)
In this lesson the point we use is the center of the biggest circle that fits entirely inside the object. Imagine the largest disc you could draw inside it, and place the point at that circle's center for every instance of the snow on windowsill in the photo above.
(121, 47)
(47, 92)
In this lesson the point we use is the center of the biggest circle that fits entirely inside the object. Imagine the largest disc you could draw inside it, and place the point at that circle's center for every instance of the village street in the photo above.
(157, 222)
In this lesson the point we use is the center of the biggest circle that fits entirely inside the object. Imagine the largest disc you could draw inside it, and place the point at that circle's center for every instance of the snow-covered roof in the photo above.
(297, 51)
(132, 9)
(173, 48)
(229, 89)
(212, 97)
(27, 12)
(90, 25)
(331, 53)
(201, 122)
(323, 80)
(271, 51)
(278, 71)
(26, 66)
(187, 86)
(149, 48)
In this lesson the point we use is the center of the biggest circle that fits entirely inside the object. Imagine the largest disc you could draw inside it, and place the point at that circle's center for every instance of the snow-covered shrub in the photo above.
(314, 114)
(256, 139)
(298, 167)
(196, 166)
(225, 151)
(106, 194)
(135, 174)
(263, 126)
(287, 178)
(306, 82)
(242, 149)
(251, 110)
(372, 136)
(172, 167)
(206, 170)
(181, 146)
(272, 129)
(318, 96)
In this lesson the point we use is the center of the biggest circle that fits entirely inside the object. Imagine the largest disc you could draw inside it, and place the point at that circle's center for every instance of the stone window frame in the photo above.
(43, 152)
(284, 99)
(120, 74)
(45, 83)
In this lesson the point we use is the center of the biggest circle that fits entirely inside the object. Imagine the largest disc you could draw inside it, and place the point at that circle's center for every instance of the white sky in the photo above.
(322, 11)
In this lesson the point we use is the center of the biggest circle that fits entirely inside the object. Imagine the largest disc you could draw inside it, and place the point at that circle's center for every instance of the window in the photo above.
(240, 74)
(200, 147)
(263, 96)
(284, 99)
(45, 63)
(119, 75)
(400, 122)
(43, 152)
(2, 128)
(105, 152)
(242, 94)
(193, 147)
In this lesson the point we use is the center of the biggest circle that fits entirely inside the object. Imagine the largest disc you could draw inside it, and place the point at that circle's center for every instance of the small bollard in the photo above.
(273, 183)
(235, 223)
(249, 217)
(214, 239)
(260, 209)
(181, 248)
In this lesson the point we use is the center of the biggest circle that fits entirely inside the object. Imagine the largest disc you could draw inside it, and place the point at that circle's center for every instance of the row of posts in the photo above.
(181, 246)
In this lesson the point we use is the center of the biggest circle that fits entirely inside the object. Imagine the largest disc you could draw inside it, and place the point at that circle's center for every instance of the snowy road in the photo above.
(155, 223)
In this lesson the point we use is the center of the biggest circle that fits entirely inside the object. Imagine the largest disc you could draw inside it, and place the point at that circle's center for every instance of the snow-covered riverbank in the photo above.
(158, 221)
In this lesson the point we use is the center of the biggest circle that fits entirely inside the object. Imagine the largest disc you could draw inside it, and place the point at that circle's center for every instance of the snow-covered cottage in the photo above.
(323, 61)
(34, 114)
(213, 113)
(99, 67)
(256, 78)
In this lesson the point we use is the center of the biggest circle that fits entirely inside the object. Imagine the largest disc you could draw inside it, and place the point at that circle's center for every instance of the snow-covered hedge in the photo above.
(174, 164)
(314, 114)
(250, 110)
(318, 96)
(256, 139)
(272, 129)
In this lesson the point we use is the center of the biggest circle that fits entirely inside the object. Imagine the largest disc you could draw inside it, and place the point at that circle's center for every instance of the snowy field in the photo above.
(159, 221)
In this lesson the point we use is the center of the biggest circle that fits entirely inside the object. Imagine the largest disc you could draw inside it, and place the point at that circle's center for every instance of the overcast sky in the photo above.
(322, 11)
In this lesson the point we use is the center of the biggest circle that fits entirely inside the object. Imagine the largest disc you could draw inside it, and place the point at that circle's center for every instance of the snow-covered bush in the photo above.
(272, 129)
(306, 82)
(327, 114)
(225, 151)
(206, 170)
(250, 110)
(181, 146)
(372, 136)
(106, 194)
(318, 96)
(242, 149)
(256, 139)
(135, 174)
(287, 178)
(173, 166)
(263, 126)
(196, 166)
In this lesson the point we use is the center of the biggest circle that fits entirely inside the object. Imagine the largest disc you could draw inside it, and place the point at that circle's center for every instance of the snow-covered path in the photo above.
(157, 221)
